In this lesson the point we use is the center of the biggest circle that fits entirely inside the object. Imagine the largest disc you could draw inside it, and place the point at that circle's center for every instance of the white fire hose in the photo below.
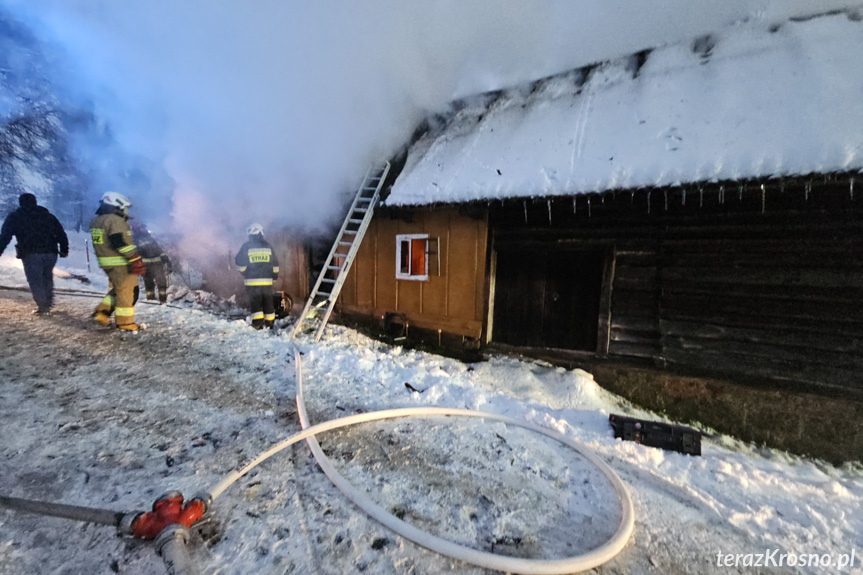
(583, 562)
(171, 542)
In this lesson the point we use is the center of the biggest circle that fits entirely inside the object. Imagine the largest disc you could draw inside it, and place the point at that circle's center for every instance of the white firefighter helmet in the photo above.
(255, 229)
(116, 200)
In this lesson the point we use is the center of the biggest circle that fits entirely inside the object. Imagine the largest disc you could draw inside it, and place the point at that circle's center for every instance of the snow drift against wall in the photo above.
(754, 101)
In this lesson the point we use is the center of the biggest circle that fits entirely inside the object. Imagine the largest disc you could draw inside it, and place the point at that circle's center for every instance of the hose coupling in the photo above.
(171, 533)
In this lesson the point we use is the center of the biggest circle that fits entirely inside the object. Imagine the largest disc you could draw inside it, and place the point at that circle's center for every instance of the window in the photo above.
(416, 256)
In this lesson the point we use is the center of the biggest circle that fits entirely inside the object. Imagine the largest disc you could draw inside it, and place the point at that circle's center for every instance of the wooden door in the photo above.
(547, 298)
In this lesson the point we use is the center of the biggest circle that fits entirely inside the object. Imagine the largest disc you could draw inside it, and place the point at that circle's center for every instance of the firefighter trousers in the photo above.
(261, 304)
(120, 300)
(156, 278)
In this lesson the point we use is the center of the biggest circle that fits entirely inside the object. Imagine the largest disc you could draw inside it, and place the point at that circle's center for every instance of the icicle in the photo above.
(602, 197)
(549, 212)
(740, 193)
(808, 189)
(525, 210)
(700, 197)
(683, 197)
(665, 192)
(852, 189)
(721, 194)
(763, 198)
(588, 206)
(574, 208)
(648, 201)
(632, 197)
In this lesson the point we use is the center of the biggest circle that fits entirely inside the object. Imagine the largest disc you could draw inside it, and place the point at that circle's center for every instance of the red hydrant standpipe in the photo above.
(168, 509)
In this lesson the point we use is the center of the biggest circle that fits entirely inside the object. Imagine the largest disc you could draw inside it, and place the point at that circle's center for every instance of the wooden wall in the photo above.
(725, 278)
(772, 294)
(453, 302)
(293, 267)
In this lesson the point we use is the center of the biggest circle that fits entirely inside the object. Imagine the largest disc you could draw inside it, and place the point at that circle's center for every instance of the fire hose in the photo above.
(583, 562)
(85, 293)
(171, 517)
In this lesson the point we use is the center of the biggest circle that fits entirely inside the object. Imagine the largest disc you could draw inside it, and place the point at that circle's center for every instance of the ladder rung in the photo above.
(359, 215)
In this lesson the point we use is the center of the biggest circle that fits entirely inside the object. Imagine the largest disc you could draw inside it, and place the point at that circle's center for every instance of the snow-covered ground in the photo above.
(97, 418)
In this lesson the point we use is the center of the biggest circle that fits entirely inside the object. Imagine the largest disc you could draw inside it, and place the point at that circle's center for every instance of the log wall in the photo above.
(748, 279)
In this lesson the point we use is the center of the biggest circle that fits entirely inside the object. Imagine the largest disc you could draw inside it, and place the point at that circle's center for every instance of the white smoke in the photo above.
(269, 110)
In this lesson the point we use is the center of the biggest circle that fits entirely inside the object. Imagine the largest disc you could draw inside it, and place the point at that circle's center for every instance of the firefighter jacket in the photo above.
(112, 238)
(257, 262)
(150, 251)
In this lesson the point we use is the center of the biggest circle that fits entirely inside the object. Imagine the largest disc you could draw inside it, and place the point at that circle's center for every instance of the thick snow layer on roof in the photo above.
(747, 102)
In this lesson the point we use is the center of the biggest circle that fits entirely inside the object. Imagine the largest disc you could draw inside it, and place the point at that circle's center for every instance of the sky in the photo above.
(95, 418)
(270, 111)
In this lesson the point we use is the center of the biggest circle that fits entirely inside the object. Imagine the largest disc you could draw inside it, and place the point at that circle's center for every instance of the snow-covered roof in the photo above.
(750, 101)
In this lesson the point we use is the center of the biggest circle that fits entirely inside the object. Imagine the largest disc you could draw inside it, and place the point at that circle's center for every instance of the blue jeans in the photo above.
(39, 269)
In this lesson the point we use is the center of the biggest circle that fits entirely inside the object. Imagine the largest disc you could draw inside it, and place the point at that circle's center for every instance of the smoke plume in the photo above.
(270, 110)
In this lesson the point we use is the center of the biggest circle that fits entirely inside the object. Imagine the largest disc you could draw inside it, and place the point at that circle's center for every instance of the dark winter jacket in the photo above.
(36, 230)
(257, 262)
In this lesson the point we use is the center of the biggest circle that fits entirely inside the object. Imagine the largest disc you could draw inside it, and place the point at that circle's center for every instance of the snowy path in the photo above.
(97, 418)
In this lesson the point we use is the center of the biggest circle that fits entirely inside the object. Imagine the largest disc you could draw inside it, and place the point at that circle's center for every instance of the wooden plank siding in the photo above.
(293, 266)
(453, 302)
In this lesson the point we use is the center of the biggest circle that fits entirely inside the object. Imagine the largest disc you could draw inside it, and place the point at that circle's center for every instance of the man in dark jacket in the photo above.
(40, 237)
(258, 263)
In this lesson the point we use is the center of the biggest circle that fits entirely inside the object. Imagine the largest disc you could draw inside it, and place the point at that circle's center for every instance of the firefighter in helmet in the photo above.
(157, 262)
(257, 262)
(118, 257)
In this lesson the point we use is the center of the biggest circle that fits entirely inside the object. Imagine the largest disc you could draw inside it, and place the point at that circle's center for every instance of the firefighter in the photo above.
(157, 262)
(257, 262)
(118, 257)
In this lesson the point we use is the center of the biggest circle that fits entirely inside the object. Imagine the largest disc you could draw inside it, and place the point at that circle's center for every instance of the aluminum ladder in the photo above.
(323, 297)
